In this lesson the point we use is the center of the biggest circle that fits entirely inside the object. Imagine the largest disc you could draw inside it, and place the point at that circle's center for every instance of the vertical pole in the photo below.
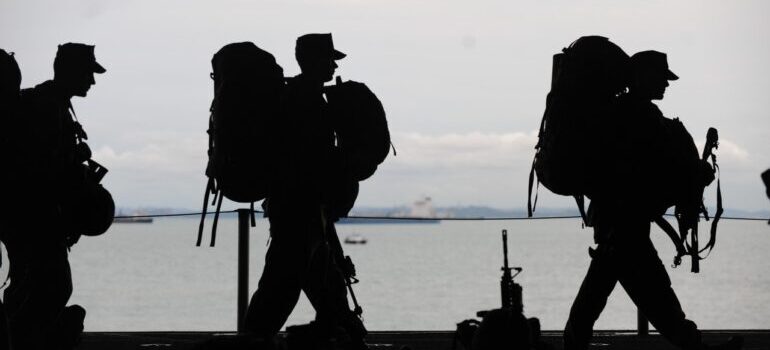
(642, 326)
(243, 266)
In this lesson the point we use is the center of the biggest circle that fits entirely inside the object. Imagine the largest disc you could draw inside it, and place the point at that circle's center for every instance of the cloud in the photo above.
(470, 150)
(731, 151)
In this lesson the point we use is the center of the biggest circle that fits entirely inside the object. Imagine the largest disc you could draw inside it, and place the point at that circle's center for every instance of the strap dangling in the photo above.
(216, 219)
(204, 211)
(717, 214)
(581, 204)
(253, 218)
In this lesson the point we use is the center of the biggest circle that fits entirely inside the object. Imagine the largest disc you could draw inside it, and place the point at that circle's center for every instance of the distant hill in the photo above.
(471, 211)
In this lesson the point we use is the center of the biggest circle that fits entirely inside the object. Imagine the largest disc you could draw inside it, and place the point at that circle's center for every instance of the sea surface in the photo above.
(152, 277)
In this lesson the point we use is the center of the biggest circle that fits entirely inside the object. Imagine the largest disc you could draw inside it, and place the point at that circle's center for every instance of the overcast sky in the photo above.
(463, 82)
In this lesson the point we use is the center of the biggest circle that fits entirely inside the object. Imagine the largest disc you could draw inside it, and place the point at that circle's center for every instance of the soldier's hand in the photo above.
(347, 267)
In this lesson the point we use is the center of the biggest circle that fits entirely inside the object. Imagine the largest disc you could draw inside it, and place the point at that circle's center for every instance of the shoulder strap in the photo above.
(675, 238)
(717, 215)
(530, 205)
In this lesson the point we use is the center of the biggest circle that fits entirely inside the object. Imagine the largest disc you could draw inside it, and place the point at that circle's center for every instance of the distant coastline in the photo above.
(471, 211)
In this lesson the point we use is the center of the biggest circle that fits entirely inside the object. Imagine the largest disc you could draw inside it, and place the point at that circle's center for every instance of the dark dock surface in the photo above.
(416, 340)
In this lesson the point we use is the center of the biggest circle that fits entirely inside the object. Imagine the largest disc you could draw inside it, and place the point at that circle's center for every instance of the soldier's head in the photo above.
(650, 74)
(74, 68)
(10, 77)
(315, 54)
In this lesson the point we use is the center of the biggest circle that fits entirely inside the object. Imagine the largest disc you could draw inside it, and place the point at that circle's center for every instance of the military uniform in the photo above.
(299, 207)
(641, 168)
(47, 168)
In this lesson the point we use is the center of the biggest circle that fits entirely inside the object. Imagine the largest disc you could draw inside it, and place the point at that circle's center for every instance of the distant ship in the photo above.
(355, 239)
(421, 212)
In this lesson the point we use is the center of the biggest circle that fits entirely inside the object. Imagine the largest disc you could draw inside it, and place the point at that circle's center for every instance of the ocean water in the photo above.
(151, 277)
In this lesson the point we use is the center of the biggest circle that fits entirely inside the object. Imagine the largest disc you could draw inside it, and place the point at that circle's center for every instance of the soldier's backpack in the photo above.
(10, 79)
(586, 78)
(248, 92)
(361, 127)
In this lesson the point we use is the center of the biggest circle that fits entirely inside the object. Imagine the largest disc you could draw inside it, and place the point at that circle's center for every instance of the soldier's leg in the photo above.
(324, 286)
(648, 284)
(286, 265)
(327, 290)
(41, 285)
(591, 299)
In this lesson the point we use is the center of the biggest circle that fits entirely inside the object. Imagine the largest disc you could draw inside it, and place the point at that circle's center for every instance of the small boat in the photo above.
(355, 239)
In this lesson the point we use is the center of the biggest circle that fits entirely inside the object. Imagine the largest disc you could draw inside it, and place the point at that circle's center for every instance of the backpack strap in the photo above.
(531, 206)
(581, 204)
(220, 196)
(717, 215)
(253, 218)
(675, 238)
(80, 134)
(209, 189)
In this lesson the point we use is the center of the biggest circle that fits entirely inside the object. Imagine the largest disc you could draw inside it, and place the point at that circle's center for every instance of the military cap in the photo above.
(78, 55)
(317, 46)
(652, 61)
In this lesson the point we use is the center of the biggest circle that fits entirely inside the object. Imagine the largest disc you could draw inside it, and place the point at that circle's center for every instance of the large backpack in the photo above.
(248, 92)
(361, 127)
(10, 79)
(586, 78)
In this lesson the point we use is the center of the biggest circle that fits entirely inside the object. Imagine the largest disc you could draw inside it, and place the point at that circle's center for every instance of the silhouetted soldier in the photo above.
(621, 212)
(10, 80)
(49, 167)
(300, 257)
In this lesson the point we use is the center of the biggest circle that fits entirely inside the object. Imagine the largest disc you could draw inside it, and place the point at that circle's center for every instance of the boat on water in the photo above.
(355, 239)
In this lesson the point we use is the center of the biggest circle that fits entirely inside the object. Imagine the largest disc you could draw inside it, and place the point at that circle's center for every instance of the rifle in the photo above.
(510, 292)
(345, 263)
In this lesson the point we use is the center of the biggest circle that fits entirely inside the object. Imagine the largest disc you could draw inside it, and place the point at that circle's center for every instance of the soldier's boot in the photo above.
(71, 326)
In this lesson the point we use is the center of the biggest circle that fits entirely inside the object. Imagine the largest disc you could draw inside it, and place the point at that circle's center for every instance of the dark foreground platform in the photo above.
(755, 339)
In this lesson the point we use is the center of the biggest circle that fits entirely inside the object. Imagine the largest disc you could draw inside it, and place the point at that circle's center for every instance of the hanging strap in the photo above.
(717, 215)
(694, 248)
(675, 238)
(530, 204)
(581, 204)
(253, 218)
(80, 134)
(209, 187)
(216, 217)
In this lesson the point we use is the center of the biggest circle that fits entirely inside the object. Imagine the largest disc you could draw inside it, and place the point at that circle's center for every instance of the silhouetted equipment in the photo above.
(509, 290)
(9, 73)
(248, 94)
(361, 127)
(586, 76)
(506, 327)
(94, 208)
(87, 207)
(10, 81)
(345, 264)
(688, 210)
